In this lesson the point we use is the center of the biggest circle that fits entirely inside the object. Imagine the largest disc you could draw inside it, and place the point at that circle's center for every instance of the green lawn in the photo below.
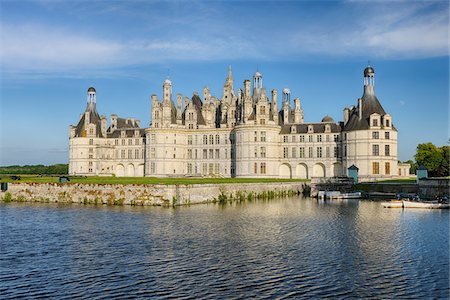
(143, 180)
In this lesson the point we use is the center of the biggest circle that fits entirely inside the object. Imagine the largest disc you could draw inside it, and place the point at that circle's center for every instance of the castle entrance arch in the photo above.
(301, 171)
(285, 171)
(120, 170)
(130, 170)
(319, 170)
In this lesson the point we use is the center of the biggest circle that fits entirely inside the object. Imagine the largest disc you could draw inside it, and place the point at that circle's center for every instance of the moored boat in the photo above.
(418, 204)
(393, 204)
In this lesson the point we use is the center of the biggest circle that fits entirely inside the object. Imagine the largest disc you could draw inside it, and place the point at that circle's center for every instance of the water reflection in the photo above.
(261, 249)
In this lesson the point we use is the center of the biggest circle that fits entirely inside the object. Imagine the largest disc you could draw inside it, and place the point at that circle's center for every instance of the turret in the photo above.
(346, 115)
(167, 90)
(369, 80)
(298, 113)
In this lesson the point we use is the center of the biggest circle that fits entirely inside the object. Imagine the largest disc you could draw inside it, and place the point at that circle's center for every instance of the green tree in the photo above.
(432, 158)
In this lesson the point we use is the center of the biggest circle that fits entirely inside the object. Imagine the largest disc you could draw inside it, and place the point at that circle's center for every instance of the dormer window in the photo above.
(327, 128)
(310, 128)
(294, 129)
(136, 133)
(375, 122)
(388, 123)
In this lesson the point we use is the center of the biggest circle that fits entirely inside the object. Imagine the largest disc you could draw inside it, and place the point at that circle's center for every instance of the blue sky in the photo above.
(52, 51)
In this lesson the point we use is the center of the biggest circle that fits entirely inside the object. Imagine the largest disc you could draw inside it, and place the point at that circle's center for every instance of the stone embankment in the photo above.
(135, 194)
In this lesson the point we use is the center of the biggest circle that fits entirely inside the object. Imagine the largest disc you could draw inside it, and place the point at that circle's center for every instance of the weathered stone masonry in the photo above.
(142, 194)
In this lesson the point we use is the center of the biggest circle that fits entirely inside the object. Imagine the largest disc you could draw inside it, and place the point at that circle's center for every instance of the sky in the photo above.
(51, 51)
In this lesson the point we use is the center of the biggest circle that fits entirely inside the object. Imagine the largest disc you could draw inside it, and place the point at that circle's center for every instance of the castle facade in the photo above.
(238, 135)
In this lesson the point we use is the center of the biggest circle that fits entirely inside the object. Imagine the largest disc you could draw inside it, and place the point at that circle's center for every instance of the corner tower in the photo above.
(369, 138)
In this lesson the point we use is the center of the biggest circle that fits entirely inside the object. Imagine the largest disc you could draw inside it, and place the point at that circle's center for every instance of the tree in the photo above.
(433, 158)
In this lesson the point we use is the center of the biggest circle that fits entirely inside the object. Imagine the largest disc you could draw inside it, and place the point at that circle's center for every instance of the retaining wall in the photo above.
(141, 194)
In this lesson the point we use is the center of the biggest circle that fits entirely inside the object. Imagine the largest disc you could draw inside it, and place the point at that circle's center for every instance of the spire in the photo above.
(230, 74)
(369, 80)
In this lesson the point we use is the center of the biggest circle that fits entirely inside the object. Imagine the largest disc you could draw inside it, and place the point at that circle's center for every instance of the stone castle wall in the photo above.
(143, 194)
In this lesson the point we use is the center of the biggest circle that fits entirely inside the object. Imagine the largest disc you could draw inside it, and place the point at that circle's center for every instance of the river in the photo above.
(285, 248)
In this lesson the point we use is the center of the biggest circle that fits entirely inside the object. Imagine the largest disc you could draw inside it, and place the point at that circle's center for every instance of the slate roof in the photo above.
(198, 108)
(94, 118)
(317, 128)
(370, 105)
(129, 133)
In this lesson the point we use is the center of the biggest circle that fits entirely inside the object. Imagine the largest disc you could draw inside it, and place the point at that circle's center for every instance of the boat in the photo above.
(418, 204)
(338, 195)
(414, 204)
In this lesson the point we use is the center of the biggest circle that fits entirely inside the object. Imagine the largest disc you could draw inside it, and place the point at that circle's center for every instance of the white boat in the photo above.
(339, 195)
(417, 204)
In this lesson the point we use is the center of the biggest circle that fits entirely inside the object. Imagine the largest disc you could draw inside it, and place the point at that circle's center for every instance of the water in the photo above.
(287, 248)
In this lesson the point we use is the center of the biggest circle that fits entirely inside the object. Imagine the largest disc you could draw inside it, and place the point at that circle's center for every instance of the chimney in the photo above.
(346, 115)
(138, 123)
(103, 125)
(246, 88)
(360, 108)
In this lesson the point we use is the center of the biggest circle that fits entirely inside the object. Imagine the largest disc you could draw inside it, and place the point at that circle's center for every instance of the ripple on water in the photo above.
(290, 248)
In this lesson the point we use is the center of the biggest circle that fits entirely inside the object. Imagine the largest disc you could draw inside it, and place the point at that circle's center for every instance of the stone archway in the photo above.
(301, 171)
(140, 170)
(120, 170)
(130, 170)
(285, 171)
(319, 170)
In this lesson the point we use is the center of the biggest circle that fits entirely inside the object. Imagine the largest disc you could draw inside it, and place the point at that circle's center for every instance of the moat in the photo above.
(282, 248)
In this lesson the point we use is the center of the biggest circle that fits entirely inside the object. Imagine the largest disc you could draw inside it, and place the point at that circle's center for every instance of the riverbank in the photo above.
(148, 194)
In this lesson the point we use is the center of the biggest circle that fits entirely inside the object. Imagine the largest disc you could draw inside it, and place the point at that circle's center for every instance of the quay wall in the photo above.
(142, 194)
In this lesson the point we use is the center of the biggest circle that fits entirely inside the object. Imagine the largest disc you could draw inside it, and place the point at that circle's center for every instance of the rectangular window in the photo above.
(130, 142)
(91, 142)
(310, 152)
(256, 136)
(205, 140)
(216, 168)
(263, 168)
(152, 168)
(319, 152)
(302, 139)
(263, 136)
(130, 153)
(196, 154)
(328, 151)
(375, 135)
(211, 168)
(217, 139)
(174, 153)
(386, 135)
(189, 168)
(153, 138)
(136, 141)
(345, 150)
(189, 153)
(122, 154)
(263, 152)
(262, 121)
(328, 137)
(319, 138)
(217, 153)
(255, 168)
(375, 122)
(375, 150)
(136, 154)
(285, 152)
(293, 138)
(375, 168)
(388, 123)
(294, 152)
(262, 110)
(211, 154)
(336, 138)
(335, 152)
(205, 154)
(302, 152)
(211, 139)
(310, 138)
(387, 168)
(285, 139)
(123, 142)
(189, 139)
(387, 151)
(256, 151)
(204, 168)
(116, 142)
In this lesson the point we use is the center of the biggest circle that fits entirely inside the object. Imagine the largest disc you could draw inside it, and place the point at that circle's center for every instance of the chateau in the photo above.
(237, 135)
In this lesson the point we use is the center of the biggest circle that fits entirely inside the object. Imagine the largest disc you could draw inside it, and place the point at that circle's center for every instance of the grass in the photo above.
(143, 180)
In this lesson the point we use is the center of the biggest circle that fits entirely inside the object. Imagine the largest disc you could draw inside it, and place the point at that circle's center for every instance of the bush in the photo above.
(7, 197)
